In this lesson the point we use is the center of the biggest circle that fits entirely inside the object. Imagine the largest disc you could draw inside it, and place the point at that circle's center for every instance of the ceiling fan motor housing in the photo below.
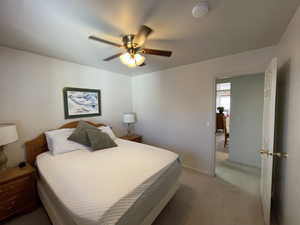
(128, 41)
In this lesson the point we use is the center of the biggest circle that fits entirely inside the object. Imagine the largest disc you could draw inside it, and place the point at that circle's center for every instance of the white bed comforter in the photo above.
(88, 184)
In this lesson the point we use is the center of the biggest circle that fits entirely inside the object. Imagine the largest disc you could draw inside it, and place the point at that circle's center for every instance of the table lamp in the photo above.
(8, 134)
(129, 118)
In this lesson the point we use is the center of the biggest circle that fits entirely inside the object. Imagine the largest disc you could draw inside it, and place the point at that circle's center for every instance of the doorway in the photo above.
(223, 92)
(239, 115)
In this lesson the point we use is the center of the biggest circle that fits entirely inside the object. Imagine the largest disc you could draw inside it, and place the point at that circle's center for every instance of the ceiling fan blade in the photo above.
(113, 57)
(142, 35)
(104, 41)
(156, 52)
(143, 64)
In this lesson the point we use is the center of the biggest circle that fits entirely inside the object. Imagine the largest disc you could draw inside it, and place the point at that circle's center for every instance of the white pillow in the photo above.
(58, 142)
(108, 130)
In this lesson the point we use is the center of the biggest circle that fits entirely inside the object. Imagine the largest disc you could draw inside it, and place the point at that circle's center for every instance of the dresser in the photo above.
(17, 191)
(220, 121)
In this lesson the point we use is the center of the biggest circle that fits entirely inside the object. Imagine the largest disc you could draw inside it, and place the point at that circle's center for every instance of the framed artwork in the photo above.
(80, 102)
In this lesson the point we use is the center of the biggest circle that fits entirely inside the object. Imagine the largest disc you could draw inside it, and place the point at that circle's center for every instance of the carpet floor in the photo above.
(201, 200)
(220, 138)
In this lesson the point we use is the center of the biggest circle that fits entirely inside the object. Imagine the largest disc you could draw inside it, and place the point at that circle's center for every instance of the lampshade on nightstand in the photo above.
(8, 134)
(129, 118)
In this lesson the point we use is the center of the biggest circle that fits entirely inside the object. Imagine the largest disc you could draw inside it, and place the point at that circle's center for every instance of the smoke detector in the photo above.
(201, 9)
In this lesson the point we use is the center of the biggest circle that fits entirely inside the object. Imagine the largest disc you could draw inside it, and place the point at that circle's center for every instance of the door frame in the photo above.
(212, 169)
(212, 163)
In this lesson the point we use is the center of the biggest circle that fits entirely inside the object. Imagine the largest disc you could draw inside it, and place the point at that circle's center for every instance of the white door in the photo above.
(268, 138)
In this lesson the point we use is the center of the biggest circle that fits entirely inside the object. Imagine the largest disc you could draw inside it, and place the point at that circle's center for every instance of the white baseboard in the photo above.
(202, 172)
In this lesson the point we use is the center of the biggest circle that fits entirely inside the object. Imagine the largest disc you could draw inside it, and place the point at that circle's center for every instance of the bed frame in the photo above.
(38, 145)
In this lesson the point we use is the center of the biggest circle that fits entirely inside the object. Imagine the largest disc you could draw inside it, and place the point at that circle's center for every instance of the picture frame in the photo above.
(81, 102)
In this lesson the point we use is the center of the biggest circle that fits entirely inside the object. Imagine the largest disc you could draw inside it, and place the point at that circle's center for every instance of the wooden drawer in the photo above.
(16, 186)
(16, 204)
(17, 191)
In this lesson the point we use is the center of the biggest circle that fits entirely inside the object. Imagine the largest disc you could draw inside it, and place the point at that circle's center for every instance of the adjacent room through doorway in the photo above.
(222, 119)
(239, 114)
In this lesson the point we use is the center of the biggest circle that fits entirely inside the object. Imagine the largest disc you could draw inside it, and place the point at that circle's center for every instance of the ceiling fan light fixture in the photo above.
(139, 59)
(131, 63)
(125, 58)
(132, 60)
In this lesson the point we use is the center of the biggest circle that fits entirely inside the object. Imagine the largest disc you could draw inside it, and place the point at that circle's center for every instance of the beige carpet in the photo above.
(220, 138)
(205, 200)
(201, 200)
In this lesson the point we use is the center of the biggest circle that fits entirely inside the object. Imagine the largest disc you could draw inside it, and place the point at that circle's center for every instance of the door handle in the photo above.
(278, 154)
(273, 154)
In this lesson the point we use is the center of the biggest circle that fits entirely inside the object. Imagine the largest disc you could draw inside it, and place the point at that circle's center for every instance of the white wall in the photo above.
(247, 101)
(175, 107)
(31, 94)
(289, 123)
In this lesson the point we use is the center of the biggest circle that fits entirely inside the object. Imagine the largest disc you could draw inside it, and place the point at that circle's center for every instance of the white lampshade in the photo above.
(129, 118)
(8, 134)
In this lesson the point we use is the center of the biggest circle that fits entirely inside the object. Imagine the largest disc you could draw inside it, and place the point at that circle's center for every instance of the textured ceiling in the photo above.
(60, 28)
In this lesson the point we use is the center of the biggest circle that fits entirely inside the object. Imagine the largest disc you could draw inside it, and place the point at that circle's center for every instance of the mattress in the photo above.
(113, 186)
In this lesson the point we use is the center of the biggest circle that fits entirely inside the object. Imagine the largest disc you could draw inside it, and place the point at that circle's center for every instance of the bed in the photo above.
(130, 184)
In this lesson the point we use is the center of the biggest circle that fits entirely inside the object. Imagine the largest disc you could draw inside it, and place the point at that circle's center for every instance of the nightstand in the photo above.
(17, 191)
(133, 137)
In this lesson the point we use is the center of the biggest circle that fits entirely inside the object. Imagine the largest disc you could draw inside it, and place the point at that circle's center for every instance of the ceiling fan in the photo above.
(134, 48)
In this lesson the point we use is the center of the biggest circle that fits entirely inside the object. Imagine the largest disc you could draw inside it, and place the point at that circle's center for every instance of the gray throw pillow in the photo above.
(100, 140)
(80, 135)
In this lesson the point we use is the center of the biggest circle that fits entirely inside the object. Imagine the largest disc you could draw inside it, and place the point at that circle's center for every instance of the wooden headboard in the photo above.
(39, 145)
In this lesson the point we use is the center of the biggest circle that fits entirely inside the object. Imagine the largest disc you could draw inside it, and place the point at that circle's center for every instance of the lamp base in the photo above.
(128, 129)
(3, 159)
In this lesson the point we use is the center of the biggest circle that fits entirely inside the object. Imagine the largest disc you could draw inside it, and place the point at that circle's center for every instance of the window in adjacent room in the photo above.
(223, 97)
